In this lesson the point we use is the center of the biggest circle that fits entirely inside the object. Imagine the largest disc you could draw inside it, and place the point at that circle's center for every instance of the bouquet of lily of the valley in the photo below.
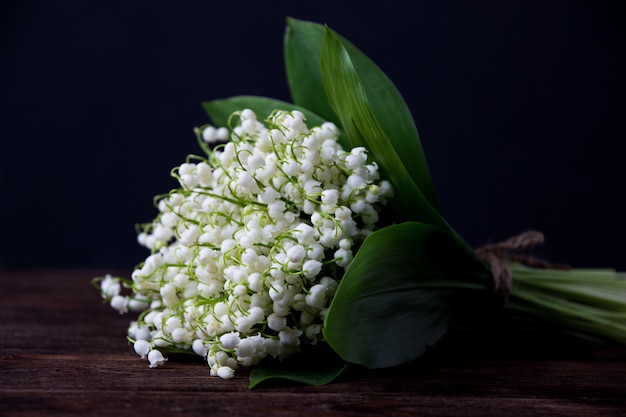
(308, 236)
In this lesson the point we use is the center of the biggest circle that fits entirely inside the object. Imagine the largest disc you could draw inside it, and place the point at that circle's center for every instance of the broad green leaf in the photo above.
(399, 293)
(303, 47)
(220, 110)
(350, 102)
(315, 365)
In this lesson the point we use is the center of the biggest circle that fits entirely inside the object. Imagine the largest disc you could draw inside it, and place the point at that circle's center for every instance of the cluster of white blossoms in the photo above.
(247, 254)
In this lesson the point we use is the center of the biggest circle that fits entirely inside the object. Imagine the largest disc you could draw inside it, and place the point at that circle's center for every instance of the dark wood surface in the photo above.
(63, 353)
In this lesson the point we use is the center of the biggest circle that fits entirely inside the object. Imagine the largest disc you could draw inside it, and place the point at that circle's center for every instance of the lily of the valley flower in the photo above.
(247, 253)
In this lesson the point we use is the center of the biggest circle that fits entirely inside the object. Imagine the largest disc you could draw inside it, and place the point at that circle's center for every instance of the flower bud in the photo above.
(155, 357)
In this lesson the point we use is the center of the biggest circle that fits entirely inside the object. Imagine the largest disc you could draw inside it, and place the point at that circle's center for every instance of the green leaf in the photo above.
(220, 110)
(303, 48)
(315, 365)
(349, 100)
(399, 293)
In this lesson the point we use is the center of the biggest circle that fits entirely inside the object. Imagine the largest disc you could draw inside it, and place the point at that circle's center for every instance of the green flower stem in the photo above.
(583, 301)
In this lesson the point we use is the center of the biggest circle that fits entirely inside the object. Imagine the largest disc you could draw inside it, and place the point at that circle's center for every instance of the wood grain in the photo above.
(62, 353)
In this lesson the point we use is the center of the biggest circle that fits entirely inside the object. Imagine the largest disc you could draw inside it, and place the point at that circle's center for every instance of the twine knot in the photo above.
(498, 256)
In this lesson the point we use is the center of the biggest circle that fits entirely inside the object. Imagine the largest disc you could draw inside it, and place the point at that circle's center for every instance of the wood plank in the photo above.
(62, 353)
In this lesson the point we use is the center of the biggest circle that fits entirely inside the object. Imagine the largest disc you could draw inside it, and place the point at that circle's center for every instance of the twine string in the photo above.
(499, 255)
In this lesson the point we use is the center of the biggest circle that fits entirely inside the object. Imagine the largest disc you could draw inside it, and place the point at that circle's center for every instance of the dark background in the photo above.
(520, 106)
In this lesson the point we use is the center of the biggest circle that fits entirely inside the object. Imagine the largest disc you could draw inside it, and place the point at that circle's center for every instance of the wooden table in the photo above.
(63, 353)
